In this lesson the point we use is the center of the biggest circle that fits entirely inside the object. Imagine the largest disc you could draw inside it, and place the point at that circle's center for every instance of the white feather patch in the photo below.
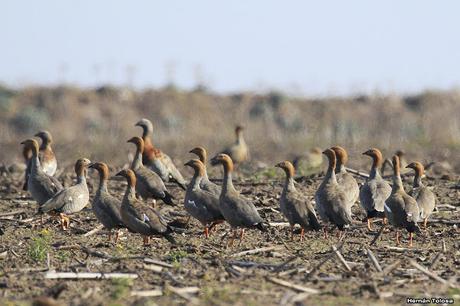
(387, 208)
(192, 203)
(146, 219)
(80, 196)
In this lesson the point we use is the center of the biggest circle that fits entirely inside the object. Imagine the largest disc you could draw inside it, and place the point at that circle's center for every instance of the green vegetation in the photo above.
(120, 287)
(40, 246)
(62, 255)
(176, 256)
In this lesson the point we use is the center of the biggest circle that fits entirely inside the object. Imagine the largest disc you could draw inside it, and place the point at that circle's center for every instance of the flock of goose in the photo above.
(212, 204)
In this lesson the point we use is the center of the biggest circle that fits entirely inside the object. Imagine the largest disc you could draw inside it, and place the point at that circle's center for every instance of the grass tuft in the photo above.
(40, 246)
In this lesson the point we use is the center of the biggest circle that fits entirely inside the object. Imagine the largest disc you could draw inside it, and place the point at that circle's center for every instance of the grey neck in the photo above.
(227, 185)
(417, 181)
(137, 161)
(129, 194)
(195, 182)
(397, 183)
(375, 173)
(102, 186)
(340, 168)
(330, 176)
(81, 179)
(289, 184)
(35, 164)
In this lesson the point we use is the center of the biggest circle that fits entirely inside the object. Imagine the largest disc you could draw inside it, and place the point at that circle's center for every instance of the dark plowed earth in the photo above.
(215, 275)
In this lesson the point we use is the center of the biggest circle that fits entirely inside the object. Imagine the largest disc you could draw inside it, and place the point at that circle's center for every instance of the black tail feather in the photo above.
(168, 235)
(168, 199)
(375, 214)
(413, 227)
(262, 226)
(314, 223)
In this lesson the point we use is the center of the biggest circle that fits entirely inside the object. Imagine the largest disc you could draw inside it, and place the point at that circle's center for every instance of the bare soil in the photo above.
(222, 275)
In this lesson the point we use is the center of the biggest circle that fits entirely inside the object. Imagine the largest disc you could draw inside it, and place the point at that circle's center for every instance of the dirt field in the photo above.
(214, 275)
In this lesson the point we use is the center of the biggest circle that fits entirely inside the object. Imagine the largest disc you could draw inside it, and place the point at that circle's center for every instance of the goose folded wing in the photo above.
(152, 181)
(59, 200)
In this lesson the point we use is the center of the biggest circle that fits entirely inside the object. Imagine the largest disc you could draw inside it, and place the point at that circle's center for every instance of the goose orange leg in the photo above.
(206, 232)
(302, 234)
(117, 235)
(425, 222)
(110, 236)
(65, 221)
(369, 224)
(146, 240)
(398, 242)
(411, 236)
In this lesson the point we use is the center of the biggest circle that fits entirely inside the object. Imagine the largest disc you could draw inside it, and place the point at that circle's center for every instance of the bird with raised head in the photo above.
(239, 151)
(205, 183)
(148, 183)
(400, 208)
(375, 190)
(199, 203)
(72, 199)
(237, 210)
(331, 199)
(157, 160)
(41, 186)
(296, 207)
(425, 198)
(345, 179)
(47, 158)
(105, 206)
(139, 217)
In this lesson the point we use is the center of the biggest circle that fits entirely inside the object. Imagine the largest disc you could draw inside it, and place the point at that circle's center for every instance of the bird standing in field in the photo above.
(237, 210)
(41, 186)
(375, 190)
(205, 183)
(105, 206)
(199, 203)
(157, 160)
(148, 183)
(426, 200)
(27, 154)
(295, 207)
(139, 217)
(331, 199)
(47, 158)
(345, 179)
(239, 151)
(72, 199)
(400, 208)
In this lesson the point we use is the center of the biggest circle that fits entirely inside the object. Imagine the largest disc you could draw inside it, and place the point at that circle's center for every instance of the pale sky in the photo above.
(302, 47)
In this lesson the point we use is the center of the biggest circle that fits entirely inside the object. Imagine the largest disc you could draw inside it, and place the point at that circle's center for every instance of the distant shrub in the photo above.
(6, 101)
(30, 119)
